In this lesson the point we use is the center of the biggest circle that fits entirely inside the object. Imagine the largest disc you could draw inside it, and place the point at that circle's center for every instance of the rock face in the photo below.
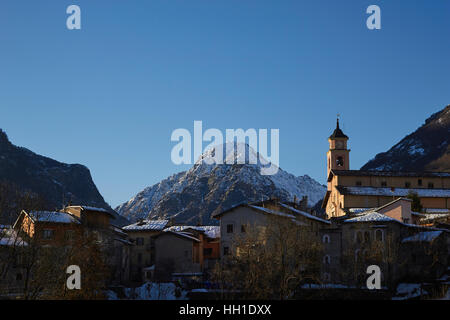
(58, 183)
(193, 196)
(426, 149)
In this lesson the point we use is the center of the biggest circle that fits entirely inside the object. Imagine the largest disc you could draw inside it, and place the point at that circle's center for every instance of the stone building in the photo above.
(186, 251)
(60, 229)
(238, 220)
(142, 235)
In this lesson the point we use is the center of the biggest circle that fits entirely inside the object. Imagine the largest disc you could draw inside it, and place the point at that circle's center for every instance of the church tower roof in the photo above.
(337, 133)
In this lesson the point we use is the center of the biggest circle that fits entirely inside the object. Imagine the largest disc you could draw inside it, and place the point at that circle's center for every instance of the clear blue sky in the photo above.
(109, 95)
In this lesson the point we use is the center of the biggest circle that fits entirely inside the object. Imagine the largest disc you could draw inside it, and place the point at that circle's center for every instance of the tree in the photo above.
(416, 206)
(270, 261)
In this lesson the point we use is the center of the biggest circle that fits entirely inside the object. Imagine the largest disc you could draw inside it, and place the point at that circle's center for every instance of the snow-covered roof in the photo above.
(359, 210)
(53, 217)
(144, 225)
(426, 236)
(181, 234)
(273, 212)
(10, 238)
(90, 208)
(437, 210)
(118, 230)
(396, 192)
(370, 217)
(305, 214)
(212, 232)
(392, 202)
(433, 216)
(379, 173)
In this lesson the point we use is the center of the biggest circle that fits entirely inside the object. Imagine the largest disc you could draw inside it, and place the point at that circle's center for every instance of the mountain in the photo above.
(57, 183)
(426, 149)
(193, 196)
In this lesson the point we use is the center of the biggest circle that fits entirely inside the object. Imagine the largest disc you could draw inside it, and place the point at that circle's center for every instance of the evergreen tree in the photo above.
(416, 206)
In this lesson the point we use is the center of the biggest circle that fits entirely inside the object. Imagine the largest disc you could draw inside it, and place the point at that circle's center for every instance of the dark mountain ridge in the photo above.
(426, 149)
(57, 183)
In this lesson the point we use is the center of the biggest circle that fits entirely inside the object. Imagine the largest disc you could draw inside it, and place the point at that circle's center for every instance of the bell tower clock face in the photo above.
(339, 144)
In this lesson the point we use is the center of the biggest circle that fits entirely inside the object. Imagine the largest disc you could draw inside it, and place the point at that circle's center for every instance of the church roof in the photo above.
(393, 192)
(337, 133)
(376, 173)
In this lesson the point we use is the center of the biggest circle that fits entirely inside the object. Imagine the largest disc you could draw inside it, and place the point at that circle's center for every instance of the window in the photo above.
(186, 253)
(326, 238)
(419, 182)
(379, 235)
(326, 259)
(358, 183)
(407, 184)
(19, 277)
(383, 183)
(430, 185)
(139, 257)
(243, 228)
(229, 228)
(207, 251)
(405, 220)
(326, 277)
(339, 161)
(226, 251)
(68, 235)
(139, 241)
(48, 234)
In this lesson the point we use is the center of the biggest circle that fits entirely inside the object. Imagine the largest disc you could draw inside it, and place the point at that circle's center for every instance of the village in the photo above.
(397, 221)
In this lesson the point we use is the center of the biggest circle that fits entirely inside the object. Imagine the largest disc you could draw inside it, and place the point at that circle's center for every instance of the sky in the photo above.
(110, 95)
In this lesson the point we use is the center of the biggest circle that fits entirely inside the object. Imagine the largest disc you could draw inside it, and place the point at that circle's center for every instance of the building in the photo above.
(58, 229)
(11, 268)
(210, 238)
(387, 236)
(349, 189)
(239, 220)
(186, 251)
(142, 235)
(49, 228)
(178, 253)
(403, 251)
(98, 223)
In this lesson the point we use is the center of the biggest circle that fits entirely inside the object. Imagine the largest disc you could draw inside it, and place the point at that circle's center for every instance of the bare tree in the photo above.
(271, 261)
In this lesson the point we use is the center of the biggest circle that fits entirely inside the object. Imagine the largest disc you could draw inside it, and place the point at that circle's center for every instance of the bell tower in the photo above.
(338, 156)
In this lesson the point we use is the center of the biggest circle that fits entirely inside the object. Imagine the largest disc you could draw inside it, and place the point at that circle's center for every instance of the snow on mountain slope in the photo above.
(426, 149)
(193, 196)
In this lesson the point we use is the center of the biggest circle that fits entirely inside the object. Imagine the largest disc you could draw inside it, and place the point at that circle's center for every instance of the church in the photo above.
(351, 191)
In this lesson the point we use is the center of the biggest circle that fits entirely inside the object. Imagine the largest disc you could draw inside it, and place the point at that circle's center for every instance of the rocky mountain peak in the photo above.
(207, 187)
